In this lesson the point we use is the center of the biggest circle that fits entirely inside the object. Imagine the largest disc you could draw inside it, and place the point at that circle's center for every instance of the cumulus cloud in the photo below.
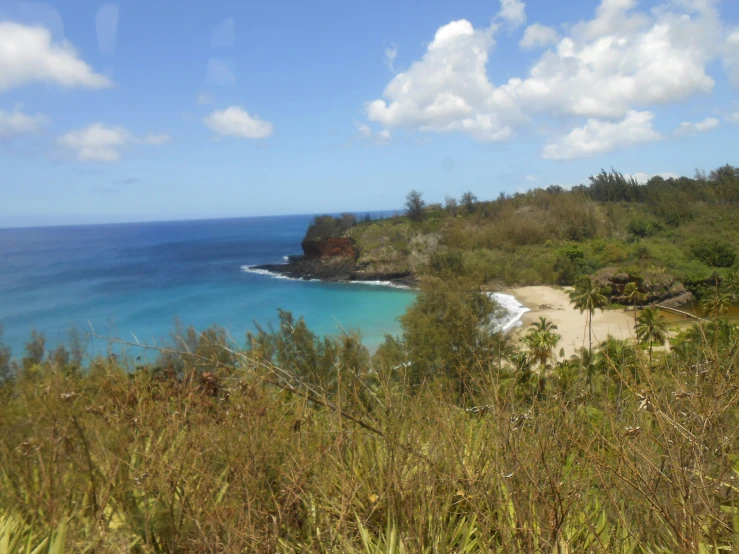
(28, 55)
(599, 137)
(538, 36)
(235, 122)
(103, 143)
(16, 123)
(687, 128)
(223, 35)
(106, 27)
(221, 72)
(620, 62)
(446, 90)
(513, 12)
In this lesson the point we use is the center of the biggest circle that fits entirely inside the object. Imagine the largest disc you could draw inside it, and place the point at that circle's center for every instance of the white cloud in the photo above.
(16, 123)
(513, 12)
(221, 72)
(538, 36)
(687, 128)
(530, 178)
(103, 143)
(619, 62)
(599, 137)
(446, 90)
(364, 131)
(204, 98)
(643, 178)
(235, 122)
(390, 54)
(733, 118)
(28, 55)
(731, 57)
(106, 27)
(223, 35)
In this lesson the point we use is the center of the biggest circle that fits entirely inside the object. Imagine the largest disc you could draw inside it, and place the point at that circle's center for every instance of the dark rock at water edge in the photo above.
(335, 270)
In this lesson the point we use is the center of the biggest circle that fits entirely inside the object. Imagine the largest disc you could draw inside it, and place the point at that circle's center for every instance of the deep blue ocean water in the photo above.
(134, 279)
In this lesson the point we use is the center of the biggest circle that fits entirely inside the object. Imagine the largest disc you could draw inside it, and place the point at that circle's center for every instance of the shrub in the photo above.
(713, 251)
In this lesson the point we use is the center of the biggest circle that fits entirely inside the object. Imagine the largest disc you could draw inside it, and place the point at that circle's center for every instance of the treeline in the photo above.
(666, 233)
(450, 438)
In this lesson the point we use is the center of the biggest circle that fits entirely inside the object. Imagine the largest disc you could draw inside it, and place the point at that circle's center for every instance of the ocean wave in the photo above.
(377, 284)
(286, 258)
(513, 308)
(266, 272)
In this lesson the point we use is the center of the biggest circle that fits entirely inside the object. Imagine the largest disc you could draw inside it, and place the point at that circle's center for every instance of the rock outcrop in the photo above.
(335, 260)
(334, 247)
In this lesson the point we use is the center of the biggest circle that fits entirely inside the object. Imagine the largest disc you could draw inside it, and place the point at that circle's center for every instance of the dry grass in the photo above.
(248, 459)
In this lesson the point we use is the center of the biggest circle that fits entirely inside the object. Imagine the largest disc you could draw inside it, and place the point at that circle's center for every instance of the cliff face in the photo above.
(337, 247)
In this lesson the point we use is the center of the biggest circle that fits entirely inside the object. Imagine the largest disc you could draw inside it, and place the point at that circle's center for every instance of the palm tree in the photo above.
(541, 340)
(586, 363)
(718, 303)
(634, 296)
(588, 297)
(651, 327)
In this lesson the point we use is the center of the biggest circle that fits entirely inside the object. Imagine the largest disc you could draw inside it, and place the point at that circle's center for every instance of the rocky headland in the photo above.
(335, 259)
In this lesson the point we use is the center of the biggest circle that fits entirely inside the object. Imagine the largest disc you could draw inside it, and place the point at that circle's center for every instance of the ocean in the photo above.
(130, 281)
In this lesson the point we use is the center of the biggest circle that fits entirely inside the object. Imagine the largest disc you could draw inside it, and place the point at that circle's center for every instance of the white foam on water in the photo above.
(258, 271)
(514, 310)
(286, 258)
(266, 272)
(377, 284)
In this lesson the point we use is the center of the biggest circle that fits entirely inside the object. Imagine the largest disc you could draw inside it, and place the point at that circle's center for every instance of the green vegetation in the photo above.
(326, 226)
(666, 236)
(452, 437)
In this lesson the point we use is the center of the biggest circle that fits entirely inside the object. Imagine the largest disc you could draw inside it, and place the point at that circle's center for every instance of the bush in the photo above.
(713, 252)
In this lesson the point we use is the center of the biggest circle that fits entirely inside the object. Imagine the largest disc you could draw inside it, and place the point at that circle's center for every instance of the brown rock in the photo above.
(333, 247)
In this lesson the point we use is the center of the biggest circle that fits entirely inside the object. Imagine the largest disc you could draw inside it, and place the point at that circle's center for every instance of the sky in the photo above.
(158, 110)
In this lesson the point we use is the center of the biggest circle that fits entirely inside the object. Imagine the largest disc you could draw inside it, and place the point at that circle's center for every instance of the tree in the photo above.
(634, 296)
(447, 330)
(450, 204)
(35, 350)
(542, 340)
(587, 296)
(718, 303)
(414, 206)
(651, 327)
(468, 201)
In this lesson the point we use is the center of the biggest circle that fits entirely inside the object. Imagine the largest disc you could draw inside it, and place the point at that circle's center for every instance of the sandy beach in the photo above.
(554, 304)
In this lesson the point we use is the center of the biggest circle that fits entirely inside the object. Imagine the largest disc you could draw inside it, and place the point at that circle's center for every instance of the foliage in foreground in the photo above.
(229, 450)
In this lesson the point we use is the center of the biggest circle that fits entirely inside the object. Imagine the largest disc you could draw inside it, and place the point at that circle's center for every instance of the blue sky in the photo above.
(136, 110)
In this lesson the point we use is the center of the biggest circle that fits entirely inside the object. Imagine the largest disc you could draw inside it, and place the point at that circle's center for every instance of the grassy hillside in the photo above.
(675, 230)
(298, 444)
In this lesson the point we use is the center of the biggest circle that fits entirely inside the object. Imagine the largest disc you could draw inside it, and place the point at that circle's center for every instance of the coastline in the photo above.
(554, 304)
(332, 270)
(524, 304)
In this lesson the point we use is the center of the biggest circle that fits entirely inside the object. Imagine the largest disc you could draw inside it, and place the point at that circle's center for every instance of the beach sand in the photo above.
(554, 304)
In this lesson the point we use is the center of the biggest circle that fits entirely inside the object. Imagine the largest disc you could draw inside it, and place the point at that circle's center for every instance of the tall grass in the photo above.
(246, 457)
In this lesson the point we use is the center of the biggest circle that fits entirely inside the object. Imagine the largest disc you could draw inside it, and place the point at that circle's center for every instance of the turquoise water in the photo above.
(134, 279)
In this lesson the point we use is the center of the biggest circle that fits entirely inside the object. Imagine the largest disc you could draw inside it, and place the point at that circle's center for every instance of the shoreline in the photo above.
(554, 304)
